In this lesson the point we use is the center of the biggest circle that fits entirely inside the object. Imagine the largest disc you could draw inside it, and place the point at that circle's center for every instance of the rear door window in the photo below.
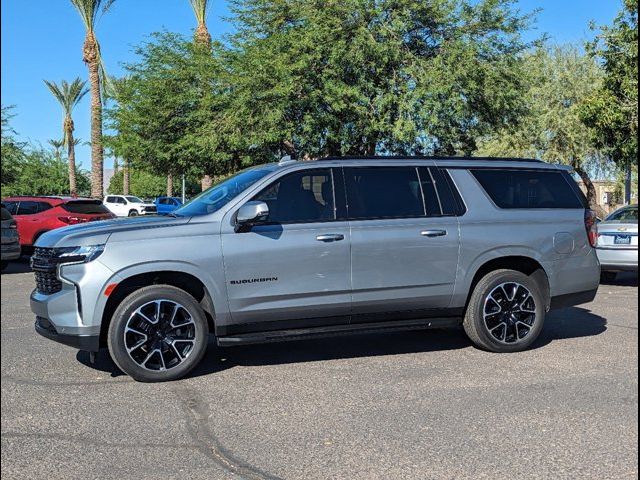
(383, 192)
(86, 207)
(5, 214)
(528, 189)
(28, 207)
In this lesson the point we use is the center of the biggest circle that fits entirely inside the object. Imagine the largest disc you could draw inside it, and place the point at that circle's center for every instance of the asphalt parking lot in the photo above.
(416, 405)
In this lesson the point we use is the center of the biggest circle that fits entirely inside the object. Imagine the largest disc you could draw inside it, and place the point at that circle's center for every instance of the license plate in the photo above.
(623, 240)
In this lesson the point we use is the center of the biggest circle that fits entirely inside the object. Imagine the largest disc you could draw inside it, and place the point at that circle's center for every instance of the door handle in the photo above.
(330, 237)
(433, 233)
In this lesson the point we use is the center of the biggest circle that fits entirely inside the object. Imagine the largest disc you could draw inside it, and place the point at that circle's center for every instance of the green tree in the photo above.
(145, 184)
(162, 110)
(13, 151)
(560, 80)
(363, 76)
(612, 110)
(69, 95)
(89, 10)
(41, 173)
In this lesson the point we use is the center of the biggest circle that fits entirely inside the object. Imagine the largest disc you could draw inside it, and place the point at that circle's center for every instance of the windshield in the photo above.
(219, 195)
(134, 199)
(627, 215)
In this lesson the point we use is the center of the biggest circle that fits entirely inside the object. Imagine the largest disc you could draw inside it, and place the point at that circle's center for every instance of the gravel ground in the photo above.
(416, 405)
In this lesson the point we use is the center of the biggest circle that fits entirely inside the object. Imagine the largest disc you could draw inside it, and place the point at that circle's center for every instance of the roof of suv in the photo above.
(448, 162)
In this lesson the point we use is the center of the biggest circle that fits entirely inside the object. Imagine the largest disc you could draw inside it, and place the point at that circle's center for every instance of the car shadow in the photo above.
(561, 325)
(623, 279)
(18, 266)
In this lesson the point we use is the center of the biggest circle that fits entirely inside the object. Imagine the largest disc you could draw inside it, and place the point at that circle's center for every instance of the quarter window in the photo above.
(528, 189)
(300, 197)
(383, 192)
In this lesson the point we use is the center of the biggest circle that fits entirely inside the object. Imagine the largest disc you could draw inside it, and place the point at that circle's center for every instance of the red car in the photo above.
(37, 215)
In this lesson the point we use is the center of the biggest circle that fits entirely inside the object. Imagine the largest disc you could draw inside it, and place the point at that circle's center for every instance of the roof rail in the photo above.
(424, 157)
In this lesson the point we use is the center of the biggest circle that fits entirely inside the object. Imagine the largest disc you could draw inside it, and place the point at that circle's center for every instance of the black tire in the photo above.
(133, 213)
(478, 330)
(608, 277)
(143, 298)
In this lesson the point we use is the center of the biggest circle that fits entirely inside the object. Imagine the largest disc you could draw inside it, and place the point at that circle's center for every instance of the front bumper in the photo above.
(10, 251)
(618, 259)
(89, 343)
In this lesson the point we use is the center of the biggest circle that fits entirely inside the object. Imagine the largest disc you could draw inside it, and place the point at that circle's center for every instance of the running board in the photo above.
(337, 330)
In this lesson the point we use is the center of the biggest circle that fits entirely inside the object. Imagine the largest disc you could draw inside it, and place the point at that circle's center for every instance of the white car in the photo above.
(128, 206)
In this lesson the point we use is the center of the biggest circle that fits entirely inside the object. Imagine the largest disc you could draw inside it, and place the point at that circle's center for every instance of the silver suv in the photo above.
(298, 249)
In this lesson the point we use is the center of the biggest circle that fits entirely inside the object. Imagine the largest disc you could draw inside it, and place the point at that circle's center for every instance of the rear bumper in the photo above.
(10, 251)
(618, 259)
(573, 299)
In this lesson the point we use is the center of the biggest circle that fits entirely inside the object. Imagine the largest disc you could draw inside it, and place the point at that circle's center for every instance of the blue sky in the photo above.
(42, 39)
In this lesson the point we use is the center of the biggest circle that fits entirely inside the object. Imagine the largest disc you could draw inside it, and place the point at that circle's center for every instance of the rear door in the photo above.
(404, 251)
(293, 271)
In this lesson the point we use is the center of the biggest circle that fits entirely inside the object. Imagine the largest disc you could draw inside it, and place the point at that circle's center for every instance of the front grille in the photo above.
(47, 283)
(44, 267)
(150, 209)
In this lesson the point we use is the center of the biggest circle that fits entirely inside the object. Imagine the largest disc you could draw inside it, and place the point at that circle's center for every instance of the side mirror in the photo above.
(250, 214)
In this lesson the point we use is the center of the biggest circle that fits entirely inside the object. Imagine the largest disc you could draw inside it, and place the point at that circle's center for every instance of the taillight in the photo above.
(591, 224)
(72, 220)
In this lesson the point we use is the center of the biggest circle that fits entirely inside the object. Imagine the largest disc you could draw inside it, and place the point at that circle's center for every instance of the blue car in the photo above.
(166, 205)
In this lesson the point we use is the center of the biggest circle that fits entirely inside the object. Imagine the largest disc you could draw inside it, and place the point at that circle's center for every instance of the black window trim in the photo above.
(286, 174)
(455, 193)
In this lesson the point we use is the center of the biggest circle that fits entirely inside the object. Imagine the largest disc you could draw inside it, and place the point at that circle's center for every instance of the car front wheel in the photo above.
(506, 312)
(158, 333)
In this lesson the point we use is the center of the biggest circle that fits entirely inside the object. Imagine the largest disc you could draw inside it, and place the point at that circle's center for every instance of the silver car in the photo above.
(340, 245)
(618, 242)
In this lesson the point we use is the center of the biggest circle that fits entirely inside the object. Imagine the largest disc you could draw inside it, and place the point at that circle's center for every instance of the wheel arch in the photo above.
(177, 278)
(525, 264)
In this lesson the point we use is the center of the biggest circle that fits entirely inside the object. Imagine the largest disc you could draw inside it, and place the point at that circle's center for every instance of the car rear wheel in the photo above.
(158, 333)
(133, 213)
(506, 312)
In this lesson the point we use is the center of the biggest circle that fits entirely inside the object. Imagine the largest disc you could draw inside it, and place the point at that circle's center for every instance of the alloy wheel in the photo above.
(160, 335)
(509, 313)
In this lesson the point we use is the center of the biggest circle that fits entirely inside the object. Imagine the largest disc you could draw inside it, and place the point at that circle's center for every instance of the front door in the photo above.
(293, 271)
(404, 250)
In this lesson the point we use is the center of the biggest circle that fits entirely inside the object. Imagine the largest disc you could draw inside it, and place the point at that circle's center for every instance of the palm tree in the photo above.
(202, 38)
(57, 148)
(200, 9)
(89, 10)
(69, 95)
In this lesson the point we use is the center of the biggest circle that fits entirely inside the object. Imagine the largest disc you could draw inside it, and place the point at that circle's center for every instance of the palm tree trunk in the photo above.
(92, 59)
(125, 178)
(170, 185)
(71, 153)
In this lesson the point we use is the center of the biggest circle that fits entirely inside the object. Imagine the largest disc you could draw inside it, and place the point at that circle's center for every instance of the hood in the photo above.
(98, 233)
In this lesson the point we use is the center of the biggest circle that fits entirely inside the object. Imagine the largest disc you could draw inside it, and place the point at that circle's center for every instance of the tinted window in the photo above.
(431, 201)
(12, 207)
(110, 200)
(450, 199)
(42, 206)
(383, 192)
(27, 208)
(87, 207)
(301, 197)
(527, 189)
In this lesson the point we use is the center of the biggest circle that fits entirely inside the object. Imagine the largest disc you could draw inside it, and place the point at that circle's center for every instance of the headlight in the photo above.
(79, 254)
